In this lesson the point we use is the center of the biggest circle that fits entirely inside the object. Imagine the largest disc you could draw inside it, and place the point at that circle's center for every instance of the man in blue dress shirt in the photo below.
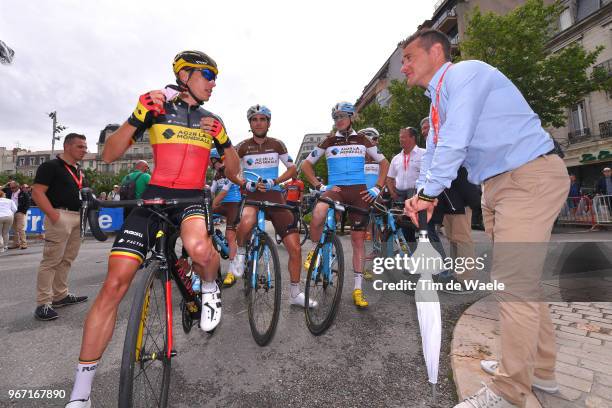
(481, 121)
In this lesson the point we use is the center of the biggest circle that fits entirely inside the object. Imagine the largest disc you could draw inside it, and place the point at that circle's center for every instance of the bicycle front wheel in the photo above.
(265, 296)
(145, 365)
(324, 285)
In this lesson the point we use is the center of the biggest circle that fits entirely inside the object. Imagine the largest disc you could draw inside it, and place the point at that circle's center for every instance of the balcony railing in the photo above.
(580, 135)
(605, 129)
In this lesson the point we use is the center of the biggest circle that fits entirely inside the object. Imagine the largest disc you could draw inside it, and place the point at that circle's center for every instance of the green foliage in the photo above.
(516, 44)
(320, 169)
(407, 107)
(18, 177)
(103, 181)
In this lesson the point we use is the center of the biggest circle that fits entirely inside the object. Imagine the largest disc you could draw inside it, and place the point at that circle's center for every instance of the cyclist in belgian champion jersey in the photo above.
(346, 153)
(181, 134)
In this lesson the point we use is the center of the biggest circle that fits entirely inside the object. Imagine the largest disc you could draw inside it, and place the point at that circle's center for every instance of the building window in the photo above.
(565, 19)
(124, 166)
(32, 161)
(91, 163)
(22, 161)
(578, 123)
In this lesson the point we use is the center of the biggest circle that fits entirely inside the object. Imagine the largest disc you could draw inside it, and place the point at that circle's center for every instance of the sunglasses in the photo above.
(208, 74)
(340, 116)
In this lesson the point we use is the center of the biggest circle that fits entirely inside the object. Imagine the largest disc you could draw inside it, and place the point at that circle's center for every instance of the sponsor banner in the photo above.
(111, 219)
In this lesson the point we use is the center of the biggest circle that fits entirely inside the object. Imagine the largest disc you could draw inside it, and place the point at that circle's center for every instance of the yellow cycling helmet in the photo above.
(194, 60)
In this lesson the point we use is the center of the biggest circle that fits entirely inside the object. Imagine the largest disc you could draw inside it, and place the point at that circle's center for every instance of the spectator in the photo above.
(114, 195)
(295, 191)
(604, 184)
(404, 172)
(481, 121)
(102, 196)
(573, 198)
(7, 210)
(56, 190)
(22, 201)
(140, 176)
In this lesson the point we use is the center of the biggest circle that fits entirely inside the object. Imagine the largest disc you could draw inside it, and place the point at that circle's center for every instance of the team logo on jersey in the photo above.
(168, 133)
(290, 159)
(335, 151)
(314, 153)
(249, 162)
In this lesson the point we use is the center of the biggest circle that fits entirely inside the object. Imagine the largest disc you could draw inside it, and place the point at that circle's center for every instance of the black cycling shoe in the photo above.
(70, 299)
(45, 312)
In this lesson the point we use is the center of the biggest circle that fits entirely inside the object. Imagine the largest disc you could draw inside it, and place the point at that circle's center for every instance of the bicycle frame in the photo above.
(329, 230)
(259, 228)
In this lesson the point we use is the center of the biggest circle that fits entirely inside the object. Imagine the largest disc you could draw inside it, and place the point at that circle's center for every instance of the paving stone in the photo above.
(589, 352)
(573, 382)
(599, 367)
(602, 391)
(580, 339)
(566, 358)
(593, 313)
(600, 336)
(593, 401)
(603, 379)
(574, 330)
(568, 343)
(561, 322)
(569, 394)
(575, 371)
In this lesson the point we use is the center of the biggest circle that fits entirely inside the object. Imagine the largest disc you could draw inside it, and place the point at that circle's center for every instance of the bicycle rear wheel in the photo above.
(145, 366)
(325, 290)
(305, 234)
(264, 297)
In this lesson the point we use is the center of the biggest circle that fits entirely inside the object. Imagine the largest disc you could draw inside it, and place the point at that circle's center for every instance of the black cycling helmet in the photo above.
(192, 60)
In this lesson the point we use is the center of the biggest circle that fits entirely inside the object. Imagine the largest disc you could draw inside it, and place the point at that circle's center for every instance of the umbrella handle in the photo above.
(423, 220)
(433, 393)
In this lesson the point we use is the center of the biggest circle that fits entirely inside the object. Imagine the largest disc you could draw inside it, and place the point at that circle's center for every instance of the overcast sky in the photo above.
(90, 61)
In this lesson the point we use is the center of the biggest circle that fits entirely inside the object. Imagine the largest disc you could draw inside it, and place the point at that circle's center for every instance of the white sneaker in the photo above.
(238, 265)
(549, 386)
(485, 398)
(79, 403)
(300, 300)
(211, 310)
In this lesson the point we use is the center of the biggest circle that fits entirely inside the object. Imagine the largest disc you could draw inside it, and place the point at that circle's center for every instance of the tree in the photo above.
(100, 182)
(18, 177)
(406, 108)
(516, 44)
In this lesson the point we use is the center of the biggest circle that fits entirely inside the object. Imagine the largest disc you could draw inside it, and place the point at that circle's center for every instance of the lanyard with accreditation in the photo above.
(78, 181)
(435, 114)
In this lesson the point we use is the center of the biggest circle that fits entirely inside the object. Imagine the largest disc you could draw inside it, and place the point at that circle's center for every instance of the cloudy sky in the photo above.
(89, 61)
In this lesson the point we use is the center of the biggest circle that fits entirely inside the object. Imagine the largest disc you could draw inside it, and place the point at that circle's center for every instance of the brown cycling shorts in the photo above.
(284, 221)
(351, 195)
(229, 211)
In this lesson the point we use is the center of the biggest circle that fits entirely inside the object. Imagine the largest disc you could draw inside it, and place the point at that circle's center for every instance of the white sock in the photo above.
(84, 378)
(358, 279)
(294, 289)
(209, 287)
(241, 250)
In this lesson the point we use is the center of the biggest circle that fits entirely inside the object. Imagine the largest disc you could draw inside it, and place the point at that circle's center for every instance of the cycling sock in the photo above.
(209, 287)
(294, 289)
(84, 378)
(358, 279)
(241, 250)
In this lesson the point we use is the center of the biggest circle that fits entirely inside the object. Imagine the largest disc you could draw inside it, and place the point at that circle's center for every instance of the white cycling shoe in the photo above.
(79, 404)
(300, 300)
(211, 310)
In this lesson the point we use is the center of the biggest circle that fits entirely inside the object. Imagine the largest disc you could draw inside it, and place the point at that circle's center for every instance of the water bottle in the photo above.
(222, 242)
(195, 282)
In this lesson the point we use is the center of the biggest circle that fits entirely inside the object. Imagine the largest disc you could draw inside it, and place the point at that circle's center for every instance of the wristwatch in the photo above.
(425, 197)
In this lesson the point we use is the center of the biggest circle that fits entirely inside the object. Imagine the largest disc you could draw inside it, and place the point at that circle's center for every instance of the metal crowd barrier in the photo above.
(585, 210)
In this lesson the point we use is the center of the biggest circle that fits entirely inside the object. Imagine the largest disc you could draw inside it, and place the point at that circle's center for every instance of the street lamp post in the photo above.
(56, 129)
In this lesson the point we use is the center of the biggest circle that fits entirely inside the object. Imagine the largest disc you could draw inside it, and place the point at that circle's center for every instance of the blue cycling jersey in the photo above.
(346, 158)
(233, 191)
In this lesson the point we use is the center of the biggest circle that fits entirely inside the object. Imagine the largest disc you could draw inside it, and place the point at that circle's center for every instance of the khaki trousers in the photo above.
(458, 230)
(5, 226)
(19, 224)
(62, 243)
(519, 209)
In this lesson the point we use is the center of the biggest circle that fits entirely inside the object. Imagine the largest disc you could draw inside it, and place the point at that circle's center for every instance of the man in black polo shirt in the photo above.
(56, 191)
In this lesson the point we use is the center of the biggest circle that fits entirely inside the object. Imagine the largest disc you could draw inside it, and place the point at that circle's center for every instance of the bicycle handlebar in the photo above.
(90, 208)
(338, 206)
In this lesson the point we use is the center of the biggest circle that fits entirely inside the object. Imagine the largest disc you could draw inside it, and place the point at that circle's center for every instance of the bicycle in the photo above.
(302, 226)
(262, 277)
(148, 347)
(325, 276)
(392, 240)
